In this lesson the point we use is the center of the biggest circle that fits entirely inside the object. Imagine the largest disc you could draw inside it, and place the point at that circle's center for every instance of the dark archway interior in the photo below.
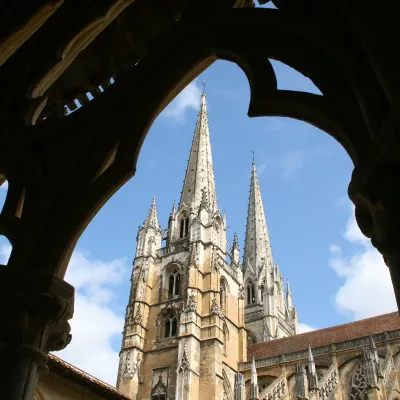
(62, 170)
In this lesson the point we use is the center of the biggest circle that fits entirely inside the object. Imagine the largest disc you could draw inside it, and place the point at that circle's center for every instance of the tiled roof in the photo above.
(324, 337)
(62, 368)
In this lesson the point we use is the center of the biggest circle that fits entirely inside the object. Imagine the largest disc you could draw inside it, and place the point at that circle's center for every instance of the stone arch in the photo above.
(184, 65)
(171, 280)
(167, 323)
(357, 385)
(223, 294)
(250, 291)
(251, 337)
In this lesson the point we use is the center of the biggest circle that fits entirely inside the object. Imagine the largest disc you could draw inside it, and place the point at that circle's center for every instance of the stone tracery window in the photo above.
(358, 385)
(174, 282)
(171, 326)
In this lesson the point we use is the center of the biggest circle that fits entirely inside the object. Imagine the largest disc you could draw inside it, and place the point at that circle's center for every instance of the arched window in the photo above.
(251, 294)
(251, 337)
(358, 385)
(174, 282)
(171, 326)
(223, 289)
(262, 289)
(184, 226)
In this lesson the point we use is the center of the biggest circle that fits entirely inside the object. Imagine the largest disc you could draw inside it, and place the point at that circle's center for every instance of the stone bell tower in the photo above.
(269, 314)
(184, 332)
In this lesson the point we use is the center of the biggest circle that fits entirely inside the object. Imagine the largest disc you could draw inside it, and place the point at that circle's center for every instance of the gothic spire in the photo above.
(257, 248)
(200, 173)
(312, 372)
(152, 219)
(254, 382)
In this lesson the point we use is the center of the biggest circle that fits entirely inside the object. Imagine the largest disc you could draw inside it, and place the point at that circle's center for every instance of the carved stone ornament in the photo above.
(191, 304)
(215, 309)
(126, 367)
(138, 317)
(241, 292)
(184, 364)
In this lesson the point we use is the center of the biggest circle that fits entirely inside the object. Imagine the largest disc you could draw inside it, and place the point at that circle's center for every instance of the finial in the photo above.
(204, 88)
(154, 200)
(253, 157)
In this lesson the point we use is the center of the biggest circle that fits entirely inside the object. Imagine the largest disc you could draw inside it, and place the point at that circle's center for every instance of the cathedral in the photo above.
(194, 306)
(202, 322)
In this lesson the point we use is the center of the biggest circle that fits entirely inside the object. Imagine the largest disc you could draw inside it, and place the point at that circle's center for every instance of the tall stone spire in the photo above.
(257, 248)
(199, 181)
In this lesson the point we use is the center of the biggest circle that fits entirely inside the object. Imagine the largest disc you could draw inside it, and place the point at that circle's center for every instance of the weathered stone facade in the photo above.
(356, 361)
(184, 332)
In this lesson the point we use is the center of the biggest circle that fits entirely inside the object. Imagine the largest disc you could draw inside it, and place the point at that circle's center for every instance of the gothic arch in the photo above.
(356, 383)
(223, 294)
(251, 337)
(171, 289)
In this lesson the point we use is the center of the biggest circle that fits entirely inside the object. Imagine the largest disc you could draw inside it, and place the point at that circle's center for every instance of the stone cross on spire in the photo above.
(200, 172)
(257, 248)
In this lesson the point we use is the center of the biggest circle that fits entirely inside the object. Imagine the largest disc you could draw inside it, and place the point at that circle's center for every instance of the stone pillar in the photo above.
(240, 387)
(35, 308)
(301, 382)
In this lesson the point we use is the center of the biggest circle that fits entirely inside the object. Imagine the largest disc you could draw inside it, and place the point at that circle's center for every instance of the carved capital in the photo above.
(36, 307)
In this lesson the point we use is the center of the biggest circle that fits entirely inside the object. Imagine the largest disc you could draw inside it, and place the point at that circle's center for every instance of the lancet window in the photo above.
(171, 326)
(251, 294)
(262, 290)
(174, 282)
(222, 295)
(184, 226)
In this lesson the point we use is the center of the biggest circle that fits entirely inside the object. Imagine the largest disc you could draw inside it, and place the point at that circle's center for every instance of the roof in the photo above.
(323, 337)
(62, 368)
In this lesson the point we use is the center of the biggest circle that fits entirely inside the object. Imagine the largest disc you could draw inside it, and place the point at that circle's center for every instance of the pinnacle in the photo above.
(152, 218)
(235, 244)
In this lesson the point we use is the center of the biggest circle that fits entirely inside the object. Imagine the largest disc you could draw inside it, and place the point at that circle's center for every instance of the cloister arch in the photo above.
(65, 182)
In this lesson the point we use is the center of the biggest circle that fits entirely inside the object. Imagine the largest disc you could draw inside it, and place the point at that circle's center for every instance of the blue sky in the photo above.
(303, 175)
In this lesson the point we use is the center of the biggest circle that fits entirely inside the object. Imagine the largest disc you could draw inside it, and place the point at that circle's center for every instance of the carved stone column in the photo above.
(35, 308)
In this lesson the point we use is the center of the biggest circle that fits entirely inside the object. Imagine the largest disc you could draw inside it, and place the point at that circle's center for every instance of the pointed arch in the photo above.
(167, 323)
(251, 337)
(223, 294)
(357, 384)
(172, 280)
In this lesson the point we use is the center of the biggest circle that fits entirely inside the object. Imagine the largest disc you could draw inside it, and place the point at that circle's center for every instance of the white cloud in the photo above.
(303, 328)
(367, 289)
(95, 322)
(188, 98)
(4, 186)
(5, 251)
